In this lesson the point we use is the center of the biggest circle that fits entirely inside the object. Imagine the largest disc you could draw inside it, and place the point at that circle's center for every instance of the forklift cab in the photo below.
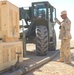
(37, 10)
(43, 10)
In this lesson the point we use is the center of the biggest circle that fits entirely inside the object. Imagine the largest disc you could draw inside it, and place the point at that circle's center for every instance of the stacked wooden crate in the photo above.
(8, 55)
(9, 33)
(9, 21)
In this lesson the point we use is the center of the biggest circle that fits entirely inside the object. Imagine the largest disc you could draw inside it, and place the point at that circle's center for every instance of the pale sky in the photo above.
(58, 4)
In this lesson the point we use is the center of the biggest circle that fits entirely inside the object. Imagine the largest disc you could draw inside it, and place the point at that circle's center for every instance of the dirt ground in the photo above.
(54, 67)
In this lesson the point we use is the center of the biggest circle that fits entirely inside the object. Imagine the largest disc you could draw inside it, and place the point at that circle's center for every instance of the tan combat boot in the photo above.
(68, 61)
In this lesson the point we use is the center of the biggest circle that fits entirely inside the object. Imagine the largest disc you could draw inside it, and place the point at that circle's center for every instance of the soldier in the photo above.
(65, 37)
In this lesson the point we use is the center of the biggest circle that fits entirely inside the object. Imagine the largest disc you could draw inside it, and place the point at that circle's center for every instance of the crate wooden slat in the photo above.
(9, 20)
(5, 39)
(8, 55)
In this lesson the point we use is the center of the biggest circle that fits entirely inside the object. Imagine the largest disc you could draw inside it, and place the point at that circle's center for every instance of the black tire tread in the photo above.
(41, 40)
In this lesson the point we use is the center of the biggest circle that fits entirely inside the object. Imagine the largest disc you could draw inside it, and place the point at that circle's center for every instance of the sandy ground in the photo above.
(54, 67)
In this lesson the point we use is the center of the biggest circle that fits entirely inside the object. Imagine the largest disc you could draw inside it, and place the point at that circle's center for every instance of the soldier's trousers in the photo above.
(65, 53)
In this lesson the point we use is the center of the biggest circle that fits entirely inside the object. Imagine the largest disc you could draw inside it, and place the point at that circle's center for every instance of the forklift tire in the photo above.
(41, 40)
(52, 44)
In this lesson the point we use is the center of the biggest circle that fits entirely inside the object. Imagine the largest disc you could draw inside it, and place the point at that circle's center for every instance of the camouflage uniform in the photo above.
(65, 37)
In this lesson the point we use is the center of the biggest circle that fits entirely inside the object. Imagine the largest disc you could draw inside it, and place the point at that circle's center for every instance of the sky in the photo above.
(60, 5)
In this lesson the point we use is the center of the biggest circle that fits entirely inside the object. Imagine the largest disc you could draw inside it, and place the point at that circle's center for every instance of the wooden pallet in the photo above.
(8, 55)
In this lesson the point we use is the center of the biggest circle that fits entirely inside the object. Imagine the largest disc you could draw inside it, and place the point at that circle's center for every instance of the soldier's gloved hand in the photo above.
(57, 21)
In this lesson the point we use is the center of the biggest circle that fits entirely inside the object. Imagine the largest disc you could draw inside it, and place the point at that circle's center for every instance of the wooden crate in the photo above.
(8, 55)
(5, 39)
(9, 20)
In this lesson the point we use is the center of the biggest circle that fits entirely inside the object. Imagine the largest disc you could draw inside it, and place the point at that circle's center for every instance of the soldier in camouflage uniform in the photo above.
(65, 37)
